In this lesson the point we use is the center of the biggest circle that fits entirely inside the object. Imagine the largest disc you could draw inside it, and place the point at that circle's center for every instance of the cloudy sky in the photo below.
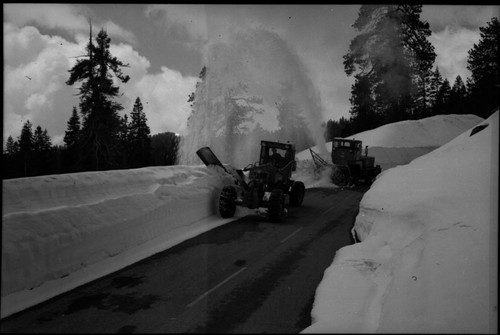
(166, 45)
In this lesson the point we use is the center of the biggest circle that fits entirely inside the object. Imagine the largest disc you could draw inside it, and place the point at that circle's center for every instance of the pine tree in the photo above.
(72, 134)
(26, 147)
(123, 147)
(123, 131)
(26, 138)
(72, 150)
(41, 151)
(41, 140)
(340, 128)
(11, 160)
(363, 114)
(435, 83)
(484, 63)
(138, 136)
(100, 112)
(421, 99)
(164, 148)
(391, 56)
(443, 99)
(11, 146)
(458, 97)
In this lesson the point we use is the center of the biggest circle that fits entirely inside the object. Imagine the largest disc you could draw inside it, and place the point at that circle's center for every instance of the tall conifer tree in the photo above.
(484, 63)
(26, 146)
(390, 59)
(138, 136)
(100, 112)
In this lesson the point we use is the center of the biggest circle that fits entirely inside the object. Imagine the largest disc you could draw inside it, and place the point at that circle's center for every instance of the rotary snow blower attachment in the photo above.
(266, 183)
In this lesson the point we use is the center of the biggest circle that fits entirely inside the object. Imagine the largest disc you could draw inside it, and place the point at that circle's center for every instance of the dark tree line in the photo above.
(33, 154)
(131, 146)
(392, 61)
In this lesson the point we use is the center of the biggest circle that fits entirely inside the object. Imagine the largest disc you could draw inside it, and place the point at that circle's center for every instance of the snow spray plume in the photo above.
(235, 105)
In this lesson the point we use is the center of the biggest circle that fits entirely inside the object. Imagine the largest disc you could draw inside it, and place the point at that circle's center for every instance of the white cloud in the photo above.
(468, 16)
(21, 45)
(455, 29)
(451, 47)
(185, 23)
(163, 95)
(164, 98)
(64, 16)
(68, 17)
(199, 25)
(36, 101)
(35, 71)
(13, 123)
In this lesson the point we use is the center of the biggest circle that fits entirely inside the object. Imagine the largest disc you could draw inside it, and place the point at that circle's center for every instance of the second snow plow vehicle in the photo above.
(351, 165)
(267, 183)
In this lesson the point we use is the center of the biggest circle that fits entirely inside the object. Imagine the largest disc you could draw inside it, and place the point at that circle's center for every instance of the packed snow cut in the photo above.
(62, 231)
(266, 183)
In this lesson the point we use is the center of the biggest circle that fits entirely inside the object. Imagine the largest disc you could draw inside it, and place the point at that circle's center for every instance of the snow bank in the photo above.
(428, 261)
(61, 231)
(400, 142)
(433, 131)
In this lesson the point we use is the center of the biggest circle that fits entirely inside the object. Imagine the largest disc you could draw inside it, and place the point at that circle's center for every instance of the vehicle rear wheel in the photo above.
(227, 202)
(276, 208)
(297, 194)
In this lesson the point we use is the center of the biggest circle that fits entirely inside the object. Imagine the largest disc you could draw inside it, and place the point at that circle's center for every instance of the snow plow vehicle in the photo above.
(350, 166)
(266, 183)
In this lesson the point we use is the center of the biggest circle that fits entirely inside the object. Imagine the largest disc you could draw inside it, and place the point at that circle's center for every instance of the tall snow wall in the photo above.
(62, 231)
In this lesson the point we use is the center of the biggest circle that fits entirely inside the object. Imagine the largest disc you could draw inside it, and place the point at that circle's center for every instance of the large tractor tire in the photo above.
(338, 177)
(297, 194)
(277, 206)
(227, 202)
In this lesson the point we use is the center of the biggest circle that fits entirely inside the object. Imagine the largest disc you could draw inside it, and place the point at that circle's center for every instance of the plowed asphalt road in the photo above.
(248, 276)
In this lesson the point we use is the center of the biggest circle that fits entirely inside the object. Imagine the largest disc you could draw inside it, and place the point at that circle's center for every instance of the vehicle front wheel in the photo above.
(227, 202)
(297, 194)
(277, 206)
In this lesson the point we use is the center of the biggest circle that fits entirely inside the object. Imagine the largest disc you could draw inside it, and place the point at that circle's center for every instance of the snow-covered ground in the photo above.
(61, 231)
(428, 260)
